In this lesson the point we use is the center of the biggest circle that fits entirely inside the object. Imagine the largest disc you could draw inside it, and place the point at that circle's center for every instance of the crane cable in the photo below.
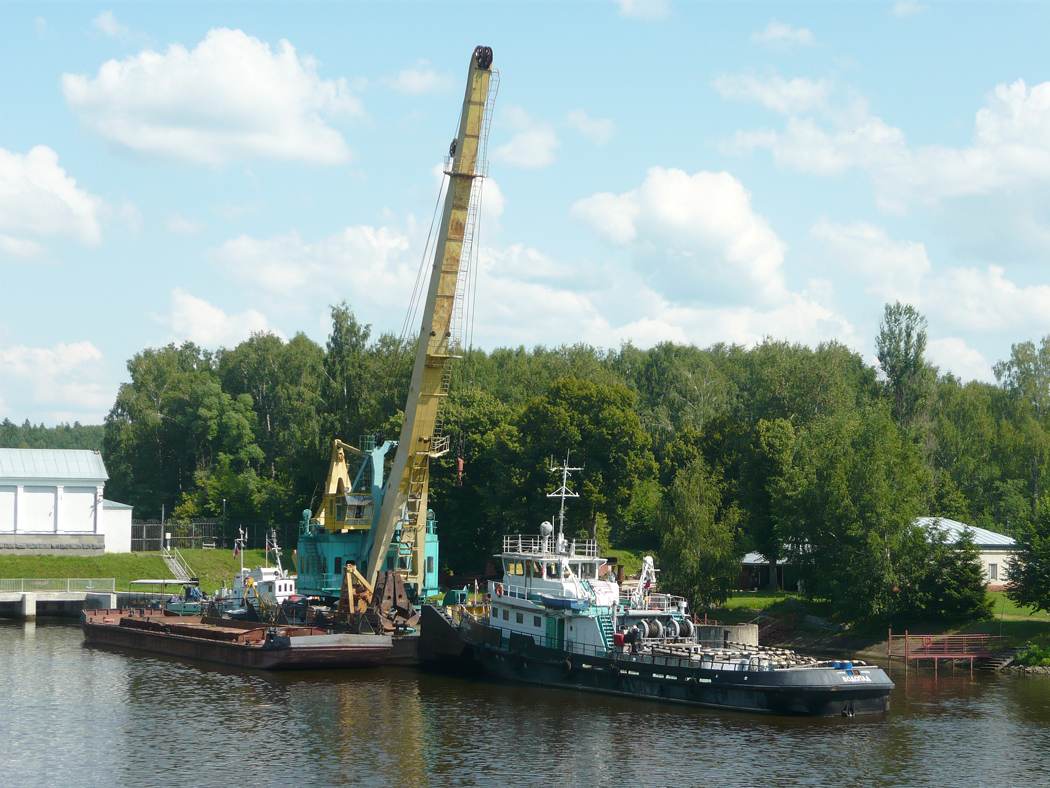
(417, 287)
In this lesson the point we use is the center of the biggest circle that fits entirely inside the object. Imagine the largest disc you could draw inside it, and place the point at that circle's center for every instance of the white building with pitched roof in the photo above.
(997, 550)
(51, 503)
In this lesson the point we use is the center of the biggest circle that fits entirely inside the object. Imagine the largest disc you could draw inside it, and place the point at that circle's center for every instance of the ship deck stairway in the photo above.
(605, 626)
(314, 564)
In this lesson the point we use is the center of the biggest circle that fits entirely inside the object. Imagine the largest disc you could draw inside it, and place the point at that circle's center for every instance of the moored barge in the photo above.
(241, 644)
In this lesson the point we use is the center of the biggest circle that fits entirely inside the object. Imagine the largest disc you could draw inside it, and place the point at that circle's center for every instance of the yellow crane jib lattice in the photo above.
(421, 433)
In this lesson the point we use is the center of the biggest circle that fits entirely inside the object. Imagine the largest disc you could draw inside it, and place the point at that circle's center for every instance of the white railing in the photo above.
(177, 564)
(67, 584)
(656, 602)
(534, 545)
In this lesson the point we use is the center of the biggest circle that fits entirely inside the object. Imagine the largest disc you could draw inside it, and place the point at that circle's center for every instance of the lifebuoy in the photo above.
(499, 589)
(927, 641)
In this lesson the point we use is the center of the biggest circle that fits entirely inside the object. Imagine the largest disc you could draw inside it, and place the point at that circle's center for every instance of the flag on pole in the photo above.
(236, 547)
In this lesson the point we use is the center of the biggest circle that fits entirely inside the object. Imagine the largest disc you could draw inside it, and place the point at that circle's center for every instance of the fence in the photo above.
(72, 584)
(775, 629)
(916, 648)
(148, 535)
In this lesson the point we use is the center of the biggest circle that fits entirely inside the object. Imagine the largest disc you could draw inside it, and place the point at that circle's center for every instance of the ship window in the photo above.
(552, 571)
(519, 618)
(340, 511)
(506, 614)
(337, 565)
(495, 612)
(430, 564)
(536, 621)
(587, 572)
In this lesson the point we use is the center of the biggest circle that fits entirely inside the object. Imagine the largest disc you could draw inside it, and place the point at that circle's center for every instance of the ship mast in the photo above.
(563, 492)
(422, 439)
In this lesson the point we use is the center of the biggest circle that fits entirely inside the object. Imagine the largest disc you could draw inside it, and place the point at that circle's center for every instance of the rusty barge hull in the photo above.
(253, 646)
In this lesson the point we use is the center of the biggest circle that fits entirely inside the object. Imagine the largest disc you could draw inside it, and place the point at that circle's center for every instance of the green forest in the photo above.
(37, 436)
(698, 455)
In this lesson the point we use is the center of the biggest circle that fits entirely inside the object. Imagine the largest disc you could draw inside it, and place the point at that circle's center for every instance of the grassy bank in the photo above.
(211, 566)
(1024, 625)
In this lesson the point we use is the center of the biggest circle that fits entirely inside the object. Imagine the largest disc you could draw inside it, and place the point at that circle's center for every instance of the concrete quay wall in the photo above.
(27, 605)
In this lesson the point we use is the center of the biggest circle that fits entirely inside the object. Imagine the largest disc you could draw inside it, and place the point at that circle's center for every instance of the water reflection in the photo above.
(78, 716)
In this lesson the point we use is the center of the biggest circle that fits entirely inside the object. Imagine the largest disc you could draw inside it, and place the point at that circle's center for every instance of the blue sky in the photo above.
(693, 172)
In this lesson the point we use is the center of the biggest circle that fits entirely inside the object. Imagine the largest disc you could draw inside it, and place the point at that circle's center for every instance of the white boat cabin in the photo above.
(551, 591)
(271, 582)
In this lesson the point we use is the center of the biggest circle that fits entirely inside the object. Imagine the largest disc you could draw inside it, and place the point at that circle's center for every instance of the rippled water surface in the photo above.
(81, 717)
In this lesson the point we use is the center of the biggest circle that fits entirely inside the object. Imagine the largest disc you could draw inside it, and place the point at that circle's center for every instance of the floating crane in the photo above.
(376, 520)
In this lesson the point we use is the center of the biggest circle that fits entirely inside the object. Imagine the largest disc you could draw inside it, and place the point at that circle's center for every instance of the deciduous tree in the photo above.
(699, 558)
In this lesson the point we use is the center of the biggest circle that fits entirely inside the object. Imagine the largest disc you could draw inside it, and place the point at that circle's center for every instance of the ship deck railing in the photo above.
(655, 602)
(532, 595)
(690, 654)
(534, 545)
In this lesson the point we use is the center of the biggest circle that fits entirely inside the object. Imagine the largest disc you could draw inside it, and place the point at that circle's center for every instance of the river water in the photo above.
(81, 717)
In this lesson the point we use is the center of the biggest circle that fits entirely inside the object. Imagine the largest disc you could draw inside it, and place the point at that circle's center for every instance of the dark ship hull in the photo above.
(828, 689)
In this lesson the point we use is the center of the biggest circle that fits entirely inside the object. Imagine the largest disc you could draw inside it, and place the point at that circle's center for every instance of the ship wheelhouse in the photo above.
(551, 591)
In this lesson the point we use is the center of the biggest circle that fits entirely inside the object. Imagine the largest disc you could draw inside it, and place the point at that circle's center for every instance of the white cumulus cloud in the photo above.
(533, 144)
(644, 9)
(360, 264)
(109, 25)
(776, 93)
(986, 300)
(1010, 153)
(182, 226)
(33, 378)
(597, 130)
(904, 8)
(38, 199)
(229, 99)
(971, 301)
(781, 34)
(696, 237)
(19, 248)
(895, 270)
(417, 80)
(952, 354)
(199, 321)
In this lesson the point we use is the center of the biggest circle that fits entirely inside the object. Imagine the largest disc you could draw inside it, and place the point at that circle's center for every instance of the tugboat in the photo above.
(556, 619)
(264, 589)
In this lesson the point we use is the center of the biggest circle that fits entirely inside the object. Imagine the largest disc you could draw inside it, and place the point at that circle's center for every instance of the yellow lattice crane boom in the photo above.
(404, 508)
